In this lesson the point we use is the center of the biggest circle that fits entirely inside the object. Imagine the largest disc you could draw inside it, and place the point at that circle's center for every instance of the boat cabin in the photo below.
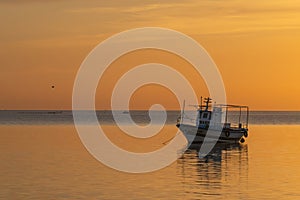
(207, 118)
(204, 115)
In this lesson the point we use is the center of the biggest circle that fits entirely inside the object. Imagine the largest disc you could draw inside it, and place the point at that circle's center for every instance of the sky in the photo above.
(255, 45)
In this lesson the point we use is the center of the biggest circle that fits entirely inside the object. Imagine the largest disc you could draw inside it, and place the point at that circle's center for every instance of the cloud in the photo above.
(108, 17)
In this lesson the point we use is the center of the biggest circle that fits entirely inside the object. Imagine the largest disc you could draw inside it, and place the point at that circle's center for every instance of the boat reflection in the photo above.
(225, 163)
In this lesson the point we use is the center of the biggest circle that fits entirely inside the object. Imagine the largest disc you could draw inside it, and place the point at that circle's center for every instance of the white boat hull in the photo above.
(196, 135)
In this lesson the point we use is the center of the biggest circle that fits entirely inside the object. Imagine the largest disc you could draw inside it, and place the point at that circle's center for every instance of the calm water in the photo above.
(43, 158)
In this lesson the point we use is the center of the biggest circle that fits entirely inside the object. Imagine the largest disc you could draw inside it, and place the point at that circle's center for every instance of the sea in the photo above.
(42, 157)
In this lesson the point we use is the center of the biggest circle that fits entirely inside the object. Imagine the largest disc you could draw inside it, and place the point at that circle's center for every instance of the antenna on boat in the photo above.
(207, 101)
(201, 103)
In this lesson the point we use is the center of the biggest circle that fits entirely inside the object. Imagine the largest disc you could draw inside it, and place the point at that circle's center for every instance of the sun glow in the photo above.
(254, 44)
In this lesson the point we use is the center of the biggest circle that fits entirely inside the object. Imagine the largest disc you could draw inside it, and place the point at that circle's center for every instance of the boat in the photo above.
(213, 123)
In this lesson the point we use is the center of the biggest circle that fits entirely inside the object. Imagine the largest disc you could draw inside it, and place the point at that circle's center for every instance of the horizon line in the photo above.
(256, 110)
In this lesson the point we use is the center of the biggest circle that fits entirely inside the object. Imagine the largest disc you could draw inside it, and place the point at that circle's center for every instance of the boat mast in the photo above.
(201, 104)
(207, 101)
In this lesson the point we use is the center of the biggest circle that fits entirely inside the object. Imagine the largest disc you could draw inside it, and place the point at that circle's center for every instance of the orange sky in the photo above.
(255, 45)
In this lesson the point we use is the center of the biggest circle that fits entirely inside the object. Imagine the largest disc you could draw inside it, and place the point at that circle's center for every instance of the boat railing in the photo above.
(238, 113)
